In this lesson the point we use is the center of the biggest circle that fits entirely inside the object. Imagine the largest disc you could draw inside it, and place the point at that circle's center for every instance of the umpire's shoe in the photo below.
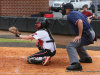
(75, 66)
(88, 60)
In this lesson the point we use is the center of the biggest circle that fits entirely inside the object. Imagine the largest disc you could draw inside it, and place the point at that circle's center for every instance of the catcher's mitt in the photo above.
(15, 31)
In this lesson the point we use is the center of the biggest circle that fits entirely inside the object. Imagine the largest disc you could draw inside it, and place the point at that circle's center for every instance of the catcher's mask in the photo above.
(42, 23)
(66, 6)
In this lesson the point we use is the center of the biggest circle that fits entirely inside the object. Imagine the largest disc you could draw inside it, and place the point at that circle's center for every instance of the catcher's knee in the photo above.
(34, 60)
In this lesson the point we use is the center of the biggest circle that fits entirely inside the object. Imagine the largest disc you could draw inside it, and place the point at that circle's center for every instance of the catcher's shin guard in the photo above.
(35, 60)
(28, 58)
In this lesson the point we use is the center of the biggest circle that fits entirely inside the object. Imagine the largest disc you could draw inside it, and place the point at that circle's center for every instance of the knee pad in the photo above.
(35, 60)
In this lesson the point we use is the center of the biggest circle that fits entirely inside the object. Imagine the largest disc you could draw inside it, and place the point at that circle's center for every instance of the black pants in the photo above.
(43, 53)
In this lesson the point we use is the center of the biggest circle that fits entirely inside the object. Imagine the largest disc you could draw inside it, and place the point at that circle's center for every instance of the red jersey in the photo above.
(87, 13)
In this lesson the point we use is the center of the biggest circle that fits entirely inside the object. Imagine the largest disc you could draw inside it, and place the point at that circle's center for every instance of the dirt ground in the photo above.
(13, 60)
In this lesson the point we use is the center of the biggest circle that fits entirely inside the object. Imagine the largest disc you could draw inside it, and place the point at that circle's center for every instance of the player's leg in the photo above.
(43, 57)
(35, 60)
(37, 57)
(84, 56)
(72, 52)
(48, 58)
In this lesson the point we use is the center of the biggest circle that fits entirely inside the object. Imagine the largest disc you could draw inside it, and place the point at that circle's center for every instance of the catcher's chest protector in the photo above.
(52, 40)
(39, 43)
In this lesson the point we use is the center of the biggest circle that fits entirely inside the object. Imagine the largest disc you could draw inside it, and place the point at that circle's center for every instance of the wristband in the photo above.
(18, 35)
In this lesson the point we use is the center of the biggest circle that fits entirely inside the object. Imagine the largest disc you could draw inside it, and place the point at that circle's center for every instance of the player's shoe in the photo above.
(46, 61)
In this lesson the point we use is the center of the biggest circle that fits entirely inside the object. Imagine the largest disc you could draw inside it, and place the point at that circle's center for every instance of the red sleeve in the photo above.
(77, 21)
(89, 14)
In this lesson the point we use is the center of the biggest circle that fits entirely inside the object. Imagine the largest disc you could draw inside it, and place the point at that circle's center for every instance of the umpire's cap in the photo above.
(69, 6)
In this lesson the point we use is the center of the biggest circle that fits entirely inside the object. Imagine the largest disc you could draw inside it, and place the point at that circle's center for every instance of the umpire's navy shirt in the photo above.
(73, 17)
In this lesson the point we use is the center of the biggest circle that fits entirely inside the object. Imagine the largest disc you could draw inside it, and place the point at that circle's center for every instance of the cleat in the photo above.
(46, 61)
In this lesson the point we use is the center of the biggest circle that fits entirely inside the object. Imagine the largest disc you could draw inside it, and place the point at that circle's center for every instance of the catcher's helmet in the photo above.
(42, 23)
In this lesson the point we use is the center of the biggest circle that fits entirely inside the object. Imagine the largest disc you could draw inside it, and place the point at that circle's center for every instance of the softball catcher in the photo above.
(45, 42)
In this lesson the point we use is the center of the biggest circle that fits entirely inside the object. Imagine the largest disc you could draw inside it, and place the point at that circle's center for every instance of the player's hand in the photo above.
(15, 31)
(31, 38)
(76, 39)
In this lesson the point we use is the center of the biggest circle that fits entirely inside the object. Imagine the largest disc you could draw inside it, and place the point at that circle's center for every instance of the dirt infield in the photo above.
(13, 61)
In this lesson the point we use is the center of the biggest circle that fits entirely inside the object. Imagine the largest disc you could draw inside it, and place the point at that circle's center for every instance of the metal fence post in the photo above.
(96, 2)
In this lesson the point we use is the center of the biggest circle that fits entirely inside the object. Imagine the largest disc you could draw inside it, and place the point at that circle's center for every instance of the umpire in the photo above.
(85, 36)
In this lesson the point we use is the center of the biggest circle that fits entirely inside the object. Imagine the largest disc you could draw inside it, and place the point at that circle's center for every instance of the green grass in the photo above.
(12, 40)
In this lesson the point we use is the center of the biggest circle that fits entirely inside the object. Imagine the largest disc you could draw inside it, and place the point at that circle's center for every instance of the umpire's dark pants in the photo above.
(74, 48)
